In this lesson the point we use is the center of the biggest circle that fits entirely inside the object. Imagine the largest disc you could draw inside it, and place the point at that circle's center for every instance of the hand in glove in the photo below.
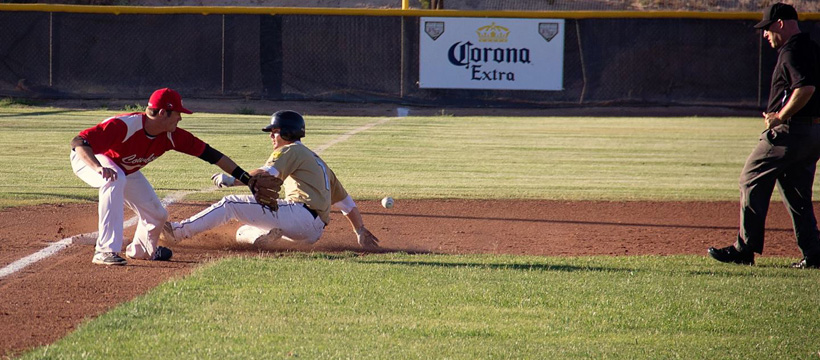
(265, 189)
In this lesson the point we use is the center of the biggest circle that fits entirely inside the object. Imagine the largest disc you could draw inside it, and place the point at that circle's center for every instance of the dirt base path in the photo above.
(50, 298)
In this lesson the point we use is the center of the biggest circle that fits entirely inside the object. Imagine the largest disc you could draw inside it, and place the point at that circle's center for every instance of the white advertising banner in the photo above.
(486, 53)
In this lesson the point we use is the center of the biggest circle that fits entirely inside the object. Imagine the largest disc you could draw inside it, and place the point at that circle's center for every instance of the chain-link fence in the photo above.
(664, 61)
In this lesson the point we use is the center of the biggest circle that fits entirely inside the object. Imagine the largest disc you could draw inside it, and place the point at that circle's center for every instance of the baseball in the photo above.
(387, 202)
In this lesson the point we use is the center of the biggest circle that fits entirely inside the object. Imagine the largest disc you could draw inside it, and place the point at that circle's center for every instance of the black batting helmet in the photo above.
(291, 125)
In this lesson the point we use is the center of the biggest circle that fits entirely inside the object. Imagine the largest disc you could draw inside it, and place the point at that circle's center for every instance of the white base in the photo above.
(85, 239)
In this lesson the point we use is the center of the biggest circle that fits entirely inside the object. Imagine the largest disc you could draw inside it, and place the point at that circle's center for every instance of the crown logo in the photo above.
(493, 33)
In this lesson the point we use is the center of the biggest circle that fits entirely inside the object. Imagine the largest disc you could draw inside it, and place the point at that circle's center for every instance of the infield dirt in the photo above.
(50, 298)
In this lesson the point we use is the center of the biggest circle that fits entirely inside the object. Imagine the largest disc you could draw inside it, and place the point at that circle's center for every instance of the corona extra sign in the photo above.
(504, 54)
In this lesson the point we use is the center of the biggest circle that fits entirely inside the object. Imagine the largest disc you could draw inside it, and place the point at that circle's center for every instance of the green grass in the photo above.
(463, 307)
(550, 158)
(414, 157)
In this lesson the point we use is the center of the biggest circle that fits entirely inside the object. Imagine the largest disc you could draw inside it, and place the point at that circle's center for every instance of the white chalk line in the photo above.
(91, 237)
(350, 133)
(33, 258)
(82, 239)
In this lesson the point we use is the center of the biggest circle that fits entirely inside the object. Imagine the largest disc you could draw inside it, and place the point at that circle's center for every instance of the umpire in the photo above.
(788, 149)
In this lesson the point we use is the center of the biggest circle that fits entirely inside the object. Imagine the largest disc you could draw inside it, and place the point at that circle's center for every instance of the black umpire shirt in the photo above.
(798, 65)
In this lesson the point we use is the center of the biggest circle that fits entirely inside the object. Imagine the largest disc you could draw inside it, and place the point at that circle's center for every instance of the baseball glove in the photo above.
(265, 188)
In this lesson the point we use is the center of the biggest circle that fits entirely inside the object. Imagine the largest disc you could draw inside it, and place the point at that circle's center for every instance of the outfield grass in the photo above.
(463, 307)
(439, 306)
(415, 157)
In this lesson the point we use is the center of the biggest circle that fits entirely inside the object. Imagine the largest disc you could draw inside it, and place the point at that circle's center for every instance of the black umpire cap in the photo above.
(778, 11)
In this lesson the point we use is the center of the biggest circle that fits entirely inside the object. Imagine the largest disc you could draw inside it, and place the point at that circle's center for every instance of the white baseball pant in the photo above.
(293, 219)
(132, 190)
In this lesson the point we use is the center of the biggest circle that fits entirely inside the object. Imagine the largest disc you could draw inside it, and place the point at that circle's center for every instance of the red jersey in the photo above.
(123, 139)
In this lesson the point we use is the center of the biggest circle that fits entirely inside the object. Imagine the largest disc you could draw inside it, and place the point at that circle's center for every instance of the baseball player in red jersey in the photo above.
(310, 188)
(109, 156)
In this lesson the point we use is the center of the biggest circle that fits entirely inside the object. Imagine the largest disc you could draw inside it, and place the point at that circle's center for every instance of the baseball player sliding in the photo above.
(109, 156)
(311, 188)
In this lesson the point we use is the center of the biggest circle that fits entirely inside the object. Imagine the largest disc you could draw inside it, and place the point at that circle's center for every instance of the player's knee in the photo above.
(229, 199)
(237, 199)
(221, 202)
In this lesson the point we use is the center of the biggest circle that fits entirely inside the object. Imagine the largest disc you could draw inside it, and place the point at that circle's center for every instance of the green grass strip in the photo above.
(418, 157)
(389, 306)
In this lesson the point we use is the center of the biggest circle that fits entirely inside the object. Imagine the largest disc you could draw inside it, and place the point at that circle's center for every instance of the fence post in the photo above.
(223, 55)
(50, 49)
(270, 56)
(583, 65)
(403, 65)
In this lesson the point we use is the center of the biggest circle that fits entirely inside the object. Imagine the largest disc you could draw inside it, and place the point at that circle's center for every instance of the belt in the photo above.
(311, 211)
(804, 120)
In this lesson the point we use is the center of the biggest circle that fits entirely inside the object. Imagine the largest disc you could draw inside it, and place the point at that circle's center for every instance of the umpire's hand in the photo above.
(772, 119)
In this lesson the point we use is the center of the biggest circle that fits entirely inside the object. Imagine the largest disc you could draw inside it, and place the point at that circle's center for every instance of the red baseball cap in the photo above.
(167, 99)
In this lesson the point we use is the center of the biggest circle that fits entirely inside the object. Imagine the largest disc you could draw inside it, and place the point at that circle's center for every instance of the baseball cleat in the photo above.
(163, 254)
(730, 254)
(269, 238)
(247, 234)
(108, 258)
(168, 233)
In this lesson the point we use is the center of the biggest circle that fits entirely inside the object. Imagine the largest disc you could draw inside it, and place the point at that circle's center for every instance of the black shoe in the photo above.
(730, 255)
(807, 263)
(108, 258)
(163, 254)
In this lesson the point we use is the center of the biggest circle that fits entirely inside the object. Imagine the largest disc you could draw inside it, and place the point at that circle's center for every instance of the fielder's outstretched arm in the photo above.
(227, 165)
(225, 180)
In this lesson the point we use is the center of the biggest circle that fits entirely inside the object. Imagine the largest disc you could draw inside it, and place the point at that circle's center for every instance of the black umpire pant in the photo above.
(787, 156)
